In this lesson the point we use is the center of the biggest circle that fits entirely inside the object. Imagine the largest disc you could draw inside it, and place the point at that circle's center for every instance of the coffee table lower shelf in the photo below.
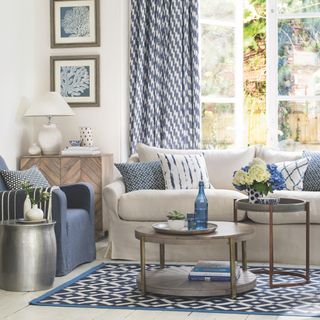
(174, 281)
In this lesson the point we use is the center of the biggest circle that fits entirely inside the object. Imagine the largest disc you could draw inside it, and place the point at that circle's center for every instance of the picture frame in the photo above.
(75, 23)
(77, 79)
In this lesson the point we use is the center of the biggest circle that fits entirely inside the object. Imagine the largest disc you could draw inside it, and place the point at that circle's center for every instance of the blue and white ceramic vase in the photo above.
(86, 136)
(254, 195)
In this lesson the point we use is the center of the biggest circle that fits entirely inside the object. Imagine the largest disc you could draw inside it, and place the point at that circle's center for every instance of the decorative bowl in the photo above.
(75, 142)
(268, 200)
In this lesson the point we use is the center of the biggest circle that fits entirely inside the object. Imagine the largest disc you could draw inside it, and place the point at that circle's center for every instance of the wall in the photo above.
(16, 77)
(109, 121)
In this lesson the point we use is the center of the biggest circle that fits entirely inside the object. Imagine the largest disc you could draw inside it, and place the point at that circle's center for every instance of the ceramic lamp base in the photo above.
(50, 139)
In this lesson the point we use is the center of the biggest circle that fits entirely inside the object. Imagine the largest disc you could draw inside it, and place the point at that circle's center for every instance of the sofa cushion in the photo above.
(184, 171)
(221, 165)
(311, 181)
(292, 217)
(154, 205)
(271, 156)
(293, 173)
(141, 175)
(147, 153)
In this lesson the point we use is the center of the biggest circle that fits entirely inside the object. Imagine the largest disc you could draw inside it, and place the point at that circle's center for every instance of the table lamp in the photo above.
(51, 104)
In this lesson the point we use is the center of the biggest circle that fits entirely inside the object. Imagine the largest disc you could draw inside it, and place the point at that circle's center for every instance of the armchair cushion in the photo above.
(13, 179)
(3, 166)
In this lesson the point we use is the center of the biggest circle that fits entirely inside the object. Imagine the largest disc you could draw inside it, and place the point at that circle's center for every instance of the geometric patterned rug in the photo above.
(113, 286)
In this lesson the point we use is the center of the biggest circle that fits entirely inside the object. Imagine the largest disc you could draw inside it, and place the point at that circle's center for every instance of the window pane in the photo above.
(217, 61)
(298, 6)
(256, 118)
(299, 62)
(217, 9)
(254, 47)
(217, 125)
(299, 123)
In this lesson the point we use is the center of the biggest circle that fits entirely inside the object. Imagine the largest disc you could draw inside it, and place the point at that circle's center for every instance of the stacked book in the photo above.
(212, 271)
(78, 151)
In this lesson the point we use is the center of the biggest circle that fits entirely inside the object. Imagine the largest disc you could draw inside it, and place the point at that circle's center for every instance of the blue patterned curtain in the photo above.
(164, 74)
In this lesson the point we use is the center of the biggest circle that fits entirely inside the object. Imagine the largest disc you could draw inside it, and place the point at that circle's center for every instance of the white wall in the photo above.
(16, 77)
(110, 120)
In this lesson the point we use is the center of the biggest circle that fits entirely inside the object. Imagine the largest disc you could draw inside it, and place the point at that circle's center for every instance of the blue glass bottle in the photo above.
(201, 208)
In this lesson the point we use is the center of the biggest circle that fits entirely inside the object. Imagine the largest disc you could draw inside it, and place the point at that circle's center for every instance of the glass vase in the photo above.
(201, 208)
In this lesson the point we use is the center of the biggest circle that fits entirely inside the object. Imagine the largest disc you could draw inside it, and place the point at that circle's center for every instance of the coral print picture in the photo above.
(74, 23)
(77, 79)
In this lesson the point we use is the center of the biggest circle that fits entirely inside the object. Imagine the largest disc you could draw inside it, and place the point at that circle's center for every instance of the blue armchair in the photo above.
(72, 209)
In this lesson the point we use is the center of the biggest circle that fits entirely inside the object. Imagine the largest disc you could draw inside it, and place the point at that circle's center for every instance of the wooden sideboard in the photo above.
(60, 170)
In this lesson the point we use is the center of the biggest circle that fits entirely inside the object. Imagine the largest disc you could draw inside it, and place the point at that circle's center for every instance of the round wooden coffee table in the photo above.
(174, 280)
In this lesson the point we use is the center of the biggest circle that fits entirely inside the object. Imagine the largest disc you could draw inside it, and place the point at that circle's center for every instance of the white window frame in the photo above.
(241, 131)
(273, 98)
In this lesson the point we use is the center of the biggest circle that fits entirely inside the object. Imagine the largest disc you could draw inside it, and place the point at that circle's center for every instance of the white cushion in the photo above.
(147, 153)
(292, 217)
(184, 171)
(221, 165)
(271, 156)
(293, 173)
(154, 205)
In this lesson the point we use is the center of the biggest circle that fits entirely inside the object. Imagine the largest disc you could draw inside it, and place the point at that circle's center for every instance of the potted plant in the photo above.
(176, 220)
(33, 199)
(258, 178)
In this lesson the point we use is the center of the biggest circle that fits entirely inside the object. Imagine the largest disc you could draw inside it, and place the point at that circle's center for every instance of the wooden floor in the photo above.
(14, 306)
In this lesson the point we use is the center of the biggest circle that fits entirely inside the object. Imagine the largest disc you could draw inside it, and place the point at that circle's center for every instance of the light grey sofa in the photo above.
(126, 211)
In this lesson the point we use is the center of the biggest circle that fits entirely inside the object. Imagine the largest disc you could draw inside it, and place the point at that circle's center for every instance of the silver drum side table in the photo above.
(27, 256)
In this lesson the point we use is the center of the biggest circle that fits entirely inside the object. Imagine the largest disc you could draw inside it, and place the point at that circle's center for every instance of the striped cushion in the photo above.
(184, 171)
(293, 173)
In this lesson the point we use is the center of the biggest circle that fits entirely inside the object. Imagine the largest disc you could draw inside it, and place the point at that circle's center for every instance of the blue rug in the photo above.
(113, 286)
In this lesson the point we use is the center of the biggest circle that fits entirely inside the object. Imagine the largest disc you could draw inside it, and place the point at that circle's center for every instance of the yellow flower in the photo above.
(240, 178)
(258, 162)
(259, 173)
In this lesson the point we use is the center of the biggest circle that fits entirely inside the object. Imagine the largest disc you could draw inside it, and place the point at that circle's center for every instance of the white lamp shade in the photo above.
(49, 104)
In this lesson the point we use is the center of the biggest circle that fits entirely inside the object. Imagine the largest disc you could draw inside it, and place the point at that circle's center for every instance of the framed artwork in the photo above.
(77, 79)
(75, 23)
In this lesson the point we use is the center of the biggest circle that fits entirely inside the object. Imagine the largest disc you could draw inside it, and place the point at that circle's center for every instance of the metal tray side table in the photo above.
(285, 205)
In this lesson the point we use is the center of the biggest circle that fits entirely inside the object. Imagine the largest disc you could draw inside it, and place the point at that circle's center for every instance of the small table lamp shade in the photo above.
(51, 104)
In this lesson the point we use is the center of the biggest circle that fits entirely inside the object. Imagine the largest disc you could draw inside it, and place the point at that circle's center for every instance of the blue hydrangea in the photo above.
(276, 180)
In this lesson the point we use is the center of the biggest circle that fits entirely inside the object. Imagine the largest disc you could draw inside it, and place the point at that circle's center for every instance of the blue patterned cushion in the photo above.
(293, 173)
(141, 175)
(311, 180)
(14, 179)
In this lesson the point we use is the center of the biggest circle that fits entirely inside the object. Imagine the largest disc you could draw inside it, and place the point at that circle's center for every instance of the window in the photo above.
(298, 92)
(260, 73)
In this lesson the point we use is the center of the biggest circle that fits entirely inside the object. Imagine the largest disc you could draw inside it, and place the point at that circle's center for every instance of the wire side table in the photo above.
(285, 205)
